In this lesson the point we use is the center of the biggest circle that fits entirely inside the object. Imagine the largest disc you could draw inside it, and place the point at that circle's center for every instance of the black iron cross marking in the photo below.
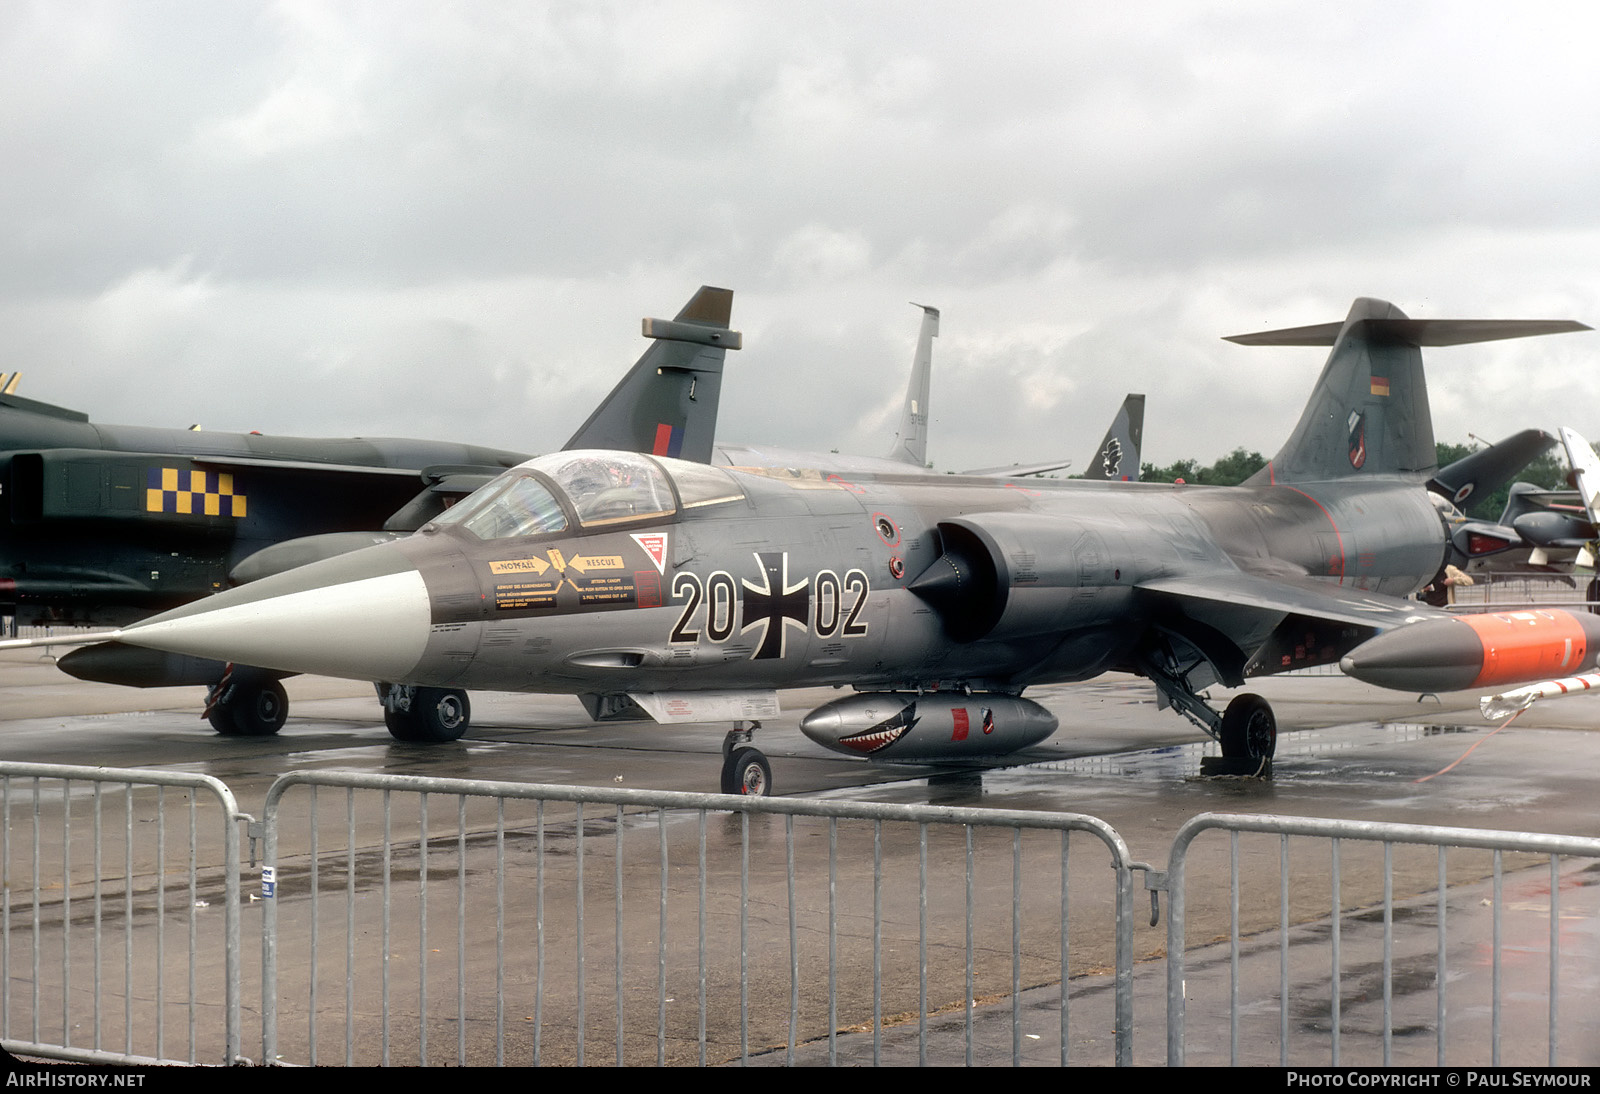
(775, 604)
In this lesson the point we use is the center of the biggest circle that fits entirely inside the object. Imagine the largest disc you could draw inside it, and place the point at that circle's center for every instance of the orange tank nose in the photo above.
(1475, 651)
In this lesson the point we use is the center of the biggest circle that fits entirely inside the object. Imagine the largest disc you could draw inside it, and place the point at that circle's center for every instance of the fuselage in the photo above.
(607, 572)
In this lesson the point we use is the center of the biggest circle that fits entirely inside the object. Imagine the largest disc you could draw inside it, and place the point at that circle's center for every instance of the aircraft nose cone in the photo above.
(363, 616)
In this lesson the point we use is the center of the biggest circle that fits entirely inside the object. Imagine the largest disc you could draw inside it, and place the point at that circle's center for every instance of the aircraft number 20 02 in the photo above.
(826, 604)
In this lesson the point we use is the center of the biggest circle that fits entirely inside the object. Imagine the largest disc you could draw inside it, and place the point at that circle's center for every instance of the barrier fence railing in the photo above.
(126, 949)
(1400, 924)
(419, 920)
(522, 924)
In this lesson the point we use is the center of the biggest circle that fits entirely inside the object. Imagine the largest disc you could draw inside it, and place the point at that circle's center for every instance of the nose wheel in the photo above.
(242, 704)
(425, 715)
(745, 769)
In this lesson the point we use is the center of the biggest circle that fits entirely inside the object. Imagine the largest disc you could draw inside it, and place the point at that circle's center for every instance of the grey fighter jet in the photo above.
(700, 592)
(110, 523)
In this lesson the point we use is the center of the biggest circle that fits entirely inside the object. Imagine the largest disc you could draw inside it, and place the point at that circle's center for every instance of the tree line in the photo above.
(1548, 471)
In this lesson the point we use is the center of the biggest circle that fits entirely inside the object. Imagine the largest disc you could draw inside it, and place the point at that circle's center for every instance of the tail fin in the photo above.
(1117, 458)
(911, 440)
(1488, 469)
(1585, 479)
(1369, 413)
(667, 403)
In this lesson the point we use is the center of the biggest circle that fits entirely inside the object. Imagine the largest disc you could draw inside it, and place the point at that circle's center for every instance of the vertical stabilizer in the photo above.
(1585, 479)
(1369, 413)
(911, 440)
(667, 403)
(1117, 458)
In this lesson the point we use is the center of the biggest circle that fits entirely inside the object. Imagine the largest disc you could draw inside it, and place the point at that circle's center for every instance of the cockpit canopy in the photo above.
(588, 490)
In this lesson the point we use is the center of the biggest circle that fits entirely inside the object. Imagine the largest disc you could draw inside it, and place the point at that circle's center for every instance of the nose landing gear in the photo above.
(424, 715)
(745, 769)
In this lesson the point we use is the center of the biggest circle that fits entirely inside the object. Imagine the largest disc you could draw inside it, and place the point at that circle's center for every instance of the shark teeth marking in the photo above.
(874, 739)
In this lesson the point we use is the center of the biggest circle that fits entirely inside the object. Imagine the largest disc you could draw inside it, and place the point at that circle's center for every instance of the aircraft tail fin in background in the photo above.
(911, 440)
(1369, 413)
(1117, 458)
(1585, 479)
(1488, 469)
(667, 403)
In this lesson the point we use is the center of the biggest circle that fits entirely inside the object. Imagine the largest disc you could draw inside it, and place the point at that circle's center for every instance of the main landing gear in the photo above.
(1247, 730)
(745, 769)
(245, 703)
(1249, 737)
(419, 715)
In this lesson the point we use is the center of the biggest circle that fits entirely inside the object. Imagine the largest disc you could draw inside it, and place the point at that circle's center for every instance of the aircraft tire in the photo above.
(1214, 766)
(437, 715)
(221, 719)
(399, 723)
(1249, 729)
(251, 711)
(747, 772)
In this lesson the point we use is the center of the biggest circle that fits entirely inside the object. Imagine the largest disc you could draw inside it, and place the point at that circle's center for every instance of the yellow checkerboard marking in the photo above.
(191, 493)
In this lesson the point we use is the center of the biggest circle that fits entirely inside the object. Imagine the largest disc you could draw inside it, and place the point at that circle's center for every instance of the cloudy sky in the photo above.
(446, 220)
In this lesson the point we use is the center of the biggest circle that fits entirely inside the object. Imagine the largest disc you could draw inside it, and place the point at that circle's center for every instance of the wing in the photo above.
(1248, 625)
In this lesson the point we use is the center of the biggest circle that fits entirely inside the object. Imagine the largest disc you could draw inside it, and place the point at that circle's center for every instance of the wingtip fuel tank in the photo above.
(1478, 651)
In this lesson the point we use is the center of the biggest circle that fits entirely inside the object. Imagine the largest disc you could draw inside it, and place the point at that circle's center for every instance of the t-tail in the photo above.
(667, 403)
(1369, 413)
(911, 440)
(1117, 458)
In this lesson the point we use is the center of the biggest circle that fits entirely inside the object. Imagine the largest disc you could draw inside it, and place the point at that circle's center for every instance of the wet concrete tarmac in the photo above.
(1345, 750)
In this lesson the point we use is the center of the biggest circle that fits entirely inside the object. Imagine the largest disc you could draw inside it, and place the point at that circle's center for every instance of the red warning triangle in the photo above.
(654, 544)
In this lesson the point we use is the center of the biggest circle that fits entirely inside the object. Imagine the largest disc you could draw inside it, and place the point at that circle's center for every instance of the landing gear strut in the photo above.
(424, 715)
(1247, 730)
(744, 769)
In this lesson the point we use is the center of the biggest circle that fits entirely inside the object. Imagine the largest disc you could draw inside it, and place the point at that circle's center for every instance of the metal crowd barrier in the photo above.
(510, 923)
(418, 920)
(1299, 1001)
(133, 942)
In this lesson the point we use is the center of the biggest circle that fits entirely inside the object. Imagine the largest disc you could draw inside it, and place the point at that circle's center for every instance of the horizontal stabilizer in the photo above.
(670, 330)
(1555, 499)
(1414, 332)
